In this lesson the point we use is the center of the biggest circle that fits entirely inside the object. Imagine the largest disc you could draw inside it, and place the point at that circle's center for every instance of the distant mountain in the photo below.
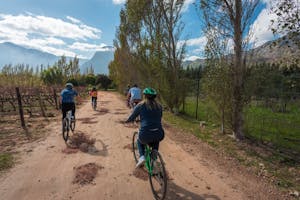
(15, 54)
(281, 51)
(99, 62)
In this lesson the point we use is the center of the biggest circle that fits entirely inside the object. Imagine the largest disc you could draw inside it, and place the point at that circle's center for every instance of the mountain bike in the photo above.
(155, 167)
(67, 125)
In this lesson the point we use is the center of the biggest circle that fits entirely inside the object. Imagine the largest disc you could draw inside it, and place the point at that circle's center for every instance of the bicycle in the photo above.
(94, 104)
(155, 167)
(68, 124)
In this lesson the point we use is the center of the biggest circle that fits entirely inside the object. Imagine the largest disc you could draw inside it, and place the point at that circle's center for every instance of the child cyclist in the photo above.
(94, 95)
(151, 131)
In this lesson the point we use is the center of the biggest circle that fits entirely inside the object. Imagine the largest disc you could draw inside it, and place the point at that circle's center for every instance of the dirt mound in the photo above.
(140, 173)
(79, 138)
(85, 174)
(80, 141)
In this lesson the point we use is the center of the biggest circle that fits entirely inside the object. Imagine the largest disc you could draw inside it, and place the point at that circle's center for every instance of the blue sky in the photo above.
(81, 27)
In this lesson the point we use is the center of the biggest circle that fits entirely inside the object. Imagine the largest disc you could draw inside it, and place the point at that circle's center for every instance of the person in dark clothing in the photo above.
(67, 100)
(151, 130)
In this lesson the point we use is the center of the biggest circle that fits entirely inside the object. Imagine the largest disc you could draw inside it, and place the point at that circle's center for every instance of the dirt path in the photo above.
(47, 173)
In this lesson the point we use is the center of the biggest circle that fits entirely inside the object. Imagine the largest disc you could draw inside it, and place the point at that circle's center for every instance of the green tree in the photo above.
(53, 76)
(103, 80)
(230, 19)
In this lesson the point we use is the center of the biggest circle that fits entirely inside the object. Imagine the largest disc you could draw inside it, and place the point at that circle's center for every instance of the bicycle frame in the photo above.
(148, 159)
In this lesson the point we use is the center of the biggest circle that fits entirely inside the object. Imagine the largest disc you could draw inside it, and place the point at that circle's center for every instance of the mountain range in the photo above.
(282, 51)
(15, 54)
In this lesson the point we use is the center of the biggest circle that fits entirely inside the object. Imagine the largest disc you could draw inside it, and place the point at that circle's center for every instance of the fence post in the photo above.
(55, 98)
(20, 107)
(41, 102)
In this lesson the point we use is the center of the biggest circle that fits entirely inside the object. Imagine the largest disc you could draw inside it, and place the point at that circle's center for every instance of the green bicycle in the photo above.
(155, 167)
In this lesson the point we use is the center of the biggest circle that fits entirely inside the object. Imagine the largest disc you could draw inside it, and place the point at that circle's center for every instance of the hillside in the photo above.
(282, 50)
(15, 54)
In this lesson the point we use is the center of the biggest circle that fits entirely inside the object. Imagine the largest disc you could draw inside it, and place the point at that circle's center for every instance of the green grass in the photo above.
(189, 124)
(6, 161)
(282, 130)
(283, 173)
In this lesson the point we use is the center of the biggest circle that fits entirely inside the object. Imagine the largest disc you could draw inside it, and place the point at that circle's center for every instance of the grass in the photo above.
(282, 130)
(6, 161)
(281, 170)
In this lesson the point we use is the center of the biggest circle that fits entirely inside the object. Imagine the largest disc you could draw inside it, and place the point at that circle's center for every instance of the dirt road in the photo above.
(45, 172)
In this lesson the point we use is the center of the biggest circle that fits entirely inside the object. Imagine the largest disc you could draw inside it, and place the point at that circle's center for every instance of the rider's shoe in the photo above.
(140, 162)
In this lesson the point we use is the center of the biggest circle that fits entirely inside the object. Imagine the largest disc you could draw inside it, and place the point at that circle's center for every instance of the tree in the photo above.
(288, 19)
(53, 76)
(147, 48)
(103, 80)
(231, 19)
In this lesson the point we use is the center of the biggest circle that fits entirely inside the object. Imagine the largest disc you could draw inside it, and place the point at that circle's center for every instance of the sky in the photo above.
(82, 27)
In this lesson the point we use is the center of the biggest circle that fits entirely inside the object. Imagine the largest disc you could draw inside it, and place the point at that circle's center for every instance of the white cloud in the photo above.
(47, 26)
(192, 58)
(74, 20)
(90, 47)
(261, 28)
(201, 41)
(48, 34)
(118, 1)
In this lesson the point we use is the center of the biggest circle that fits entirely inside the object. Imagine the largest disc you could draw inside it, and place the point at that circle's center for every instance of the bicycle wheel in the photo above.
(135, 149)
(72, 125)
(158, 177)
(65, 129)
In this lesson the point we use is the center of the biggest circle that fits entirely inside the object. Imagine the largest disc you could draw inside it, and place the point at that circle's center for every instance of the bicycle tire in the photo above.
(72, 125)
(158, 178)
(65, 129)
(135, 147)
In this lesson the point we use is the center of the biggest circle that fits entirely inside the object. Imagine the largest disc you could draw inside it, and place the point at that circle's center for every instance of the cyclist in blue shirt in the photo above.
(67, 100)
(151, 131)
(135, 95)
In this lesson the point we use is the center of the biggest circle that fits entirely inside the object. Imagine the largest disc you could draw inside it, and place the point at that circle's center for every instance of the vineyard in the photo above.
(28, 102)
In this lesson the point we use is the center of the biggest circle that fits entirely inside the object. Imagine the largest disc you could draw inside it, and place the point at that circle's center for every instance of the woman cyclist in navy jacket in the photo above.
(151, 131)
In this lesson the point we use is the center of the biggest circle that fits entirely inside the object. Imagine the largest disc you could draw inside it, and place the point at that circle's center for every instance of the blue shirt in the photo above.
(68, 95)
(135, 93)
(150, 119)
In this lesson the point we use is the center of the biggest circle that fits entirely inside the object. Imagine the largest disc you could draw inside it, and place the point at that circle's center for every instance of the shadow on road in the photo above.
(87, 120)
(101, 111)
(175, 192)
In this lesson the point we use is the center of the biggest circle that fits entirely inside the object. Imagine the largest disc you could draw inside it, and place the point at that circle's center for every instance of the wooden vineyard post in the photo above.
(20, 107)
(55, 98)
(41, 103)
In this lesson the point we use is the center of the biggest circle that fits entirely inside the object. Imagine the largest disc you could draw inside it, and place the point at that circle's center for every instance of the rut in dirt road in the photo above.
(49, 170)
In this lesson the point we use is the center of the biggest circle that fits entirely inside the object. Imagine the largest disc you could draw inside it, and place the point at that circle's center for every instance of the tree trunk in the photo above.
(238, 74)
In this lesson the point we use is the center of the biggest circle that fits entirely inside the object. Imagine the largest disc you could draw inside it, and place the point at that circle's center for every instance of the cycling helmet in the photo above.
(69, 85)
(149, 92)
(94, 89)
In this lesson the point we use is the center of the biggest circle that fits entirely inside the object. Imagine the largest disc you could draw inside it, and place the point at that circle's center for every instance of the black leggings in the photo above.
(65, 107)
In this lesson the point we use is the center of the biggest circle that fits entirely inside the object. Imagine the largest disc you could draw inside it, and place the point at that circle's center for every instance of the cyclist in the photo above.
(151, 131)
(67, 100)
(135, 96)
(94, 95)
